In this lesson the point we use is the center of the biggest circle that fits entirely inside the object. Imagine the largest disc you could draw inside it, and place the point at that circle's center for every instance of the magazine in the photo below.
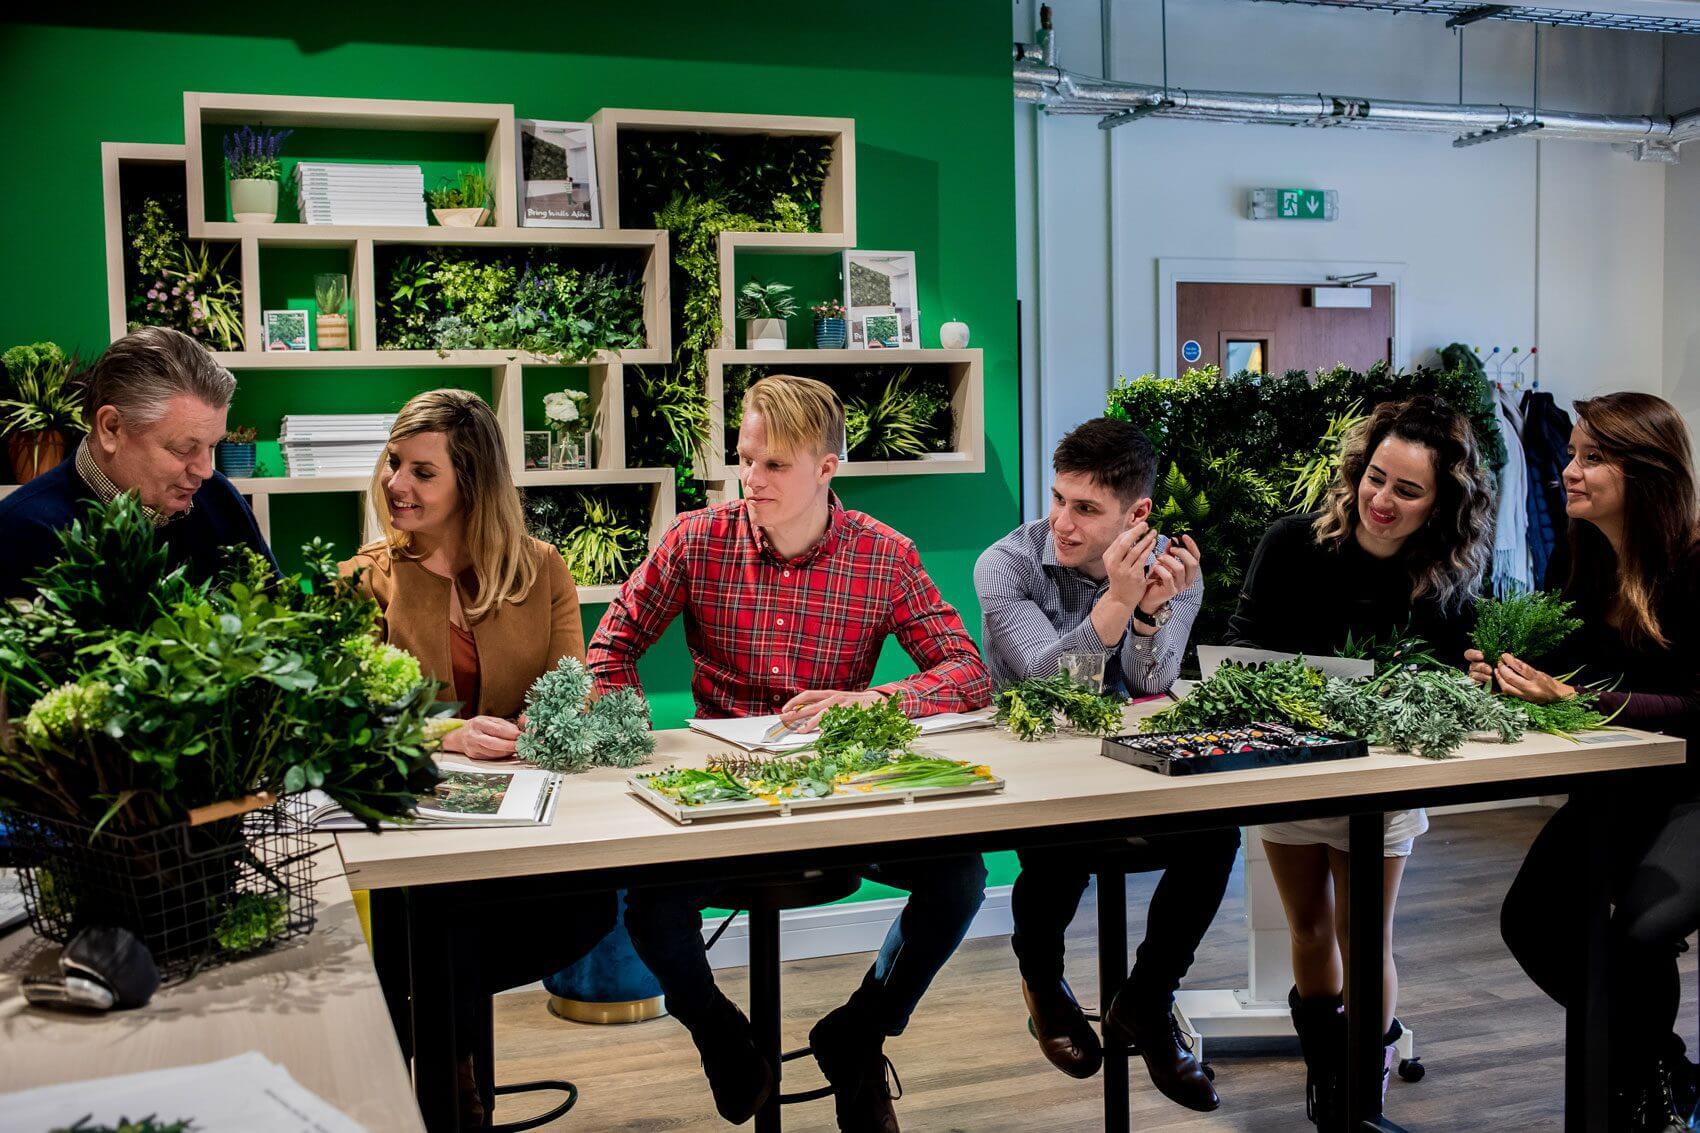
(464, 797)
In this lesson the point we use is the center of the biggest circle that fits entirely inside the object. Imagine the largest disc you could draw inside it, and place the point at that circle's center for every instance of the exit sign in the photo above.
(1293, 204)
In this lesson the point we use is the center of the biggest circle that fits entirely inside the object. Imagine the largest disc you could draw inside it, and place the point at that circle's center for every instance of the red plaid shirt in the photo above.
(762, 629)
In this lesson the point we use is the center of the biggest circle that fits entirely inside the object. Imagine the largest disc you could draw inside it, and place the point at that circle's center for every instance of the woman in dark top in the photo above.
(1634, 574)
(1399, 550)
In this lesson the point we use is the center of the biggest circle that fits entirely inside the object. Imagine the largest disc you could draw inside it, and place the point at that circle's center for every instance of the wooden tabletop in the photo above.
(1062, 779)
(312, 1006)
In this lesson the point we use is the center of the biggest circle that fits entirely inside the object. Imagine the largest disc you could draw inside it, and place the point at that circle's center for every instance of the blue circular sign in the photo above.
(1191, 351)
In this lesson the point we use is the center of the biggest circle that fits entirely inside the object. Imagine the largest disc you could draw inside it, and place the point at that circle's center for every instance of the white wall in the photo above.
(1518, 241)
(1682, 247)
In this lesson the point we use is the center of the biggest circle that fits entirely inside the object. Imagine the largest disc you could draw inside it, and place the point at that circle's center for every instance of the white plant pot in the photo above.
(253, 200)
(764, 334)
(460, 218)
(953, 335)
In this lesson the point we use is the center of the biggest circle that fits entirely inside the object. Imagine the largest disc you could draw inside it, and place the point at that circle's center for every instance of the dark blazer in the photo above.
(32, 517)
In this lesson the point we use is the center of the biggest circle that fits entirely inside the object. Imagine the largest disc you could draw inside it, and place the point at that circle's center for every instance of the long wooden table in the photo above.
(313, 1005)
(1060, 791)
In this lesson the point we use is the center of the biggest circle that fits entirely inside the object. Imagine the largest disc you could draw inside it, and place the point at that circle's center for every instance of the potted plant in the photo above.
(571, 427)
(44, 404)
(151, 727)
(330, 292)
(831, 331)
(234, 455)
(764, 307)
(463, 202)
(251, 160)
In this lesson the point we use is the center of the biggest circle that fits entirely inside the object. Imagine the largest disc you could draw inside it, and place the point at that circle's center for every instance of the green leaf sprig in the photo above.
(1235, 694)
(1529, 625)
(1038, 706)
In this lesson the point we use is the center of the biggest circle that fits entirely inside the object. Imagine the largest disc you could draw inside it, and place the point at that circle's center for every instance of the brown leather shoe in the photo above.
(1064, 1035)
(1156, 1037)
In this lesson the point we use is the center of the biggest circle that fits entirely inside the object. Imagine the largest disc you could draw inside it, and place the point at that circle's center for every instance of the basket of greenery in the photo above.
(151, 729)
(764, 307)
(44, 403)
(463, 202)
(235, 455)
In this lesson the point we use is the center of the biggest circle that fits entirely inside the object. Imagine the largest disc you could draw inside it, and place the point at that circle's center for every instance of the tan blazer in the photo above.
(517, 641)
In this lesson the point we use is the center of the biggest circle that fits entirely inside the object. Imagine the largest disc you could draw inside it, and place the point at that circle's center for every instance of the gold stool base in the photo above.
(631, 1011)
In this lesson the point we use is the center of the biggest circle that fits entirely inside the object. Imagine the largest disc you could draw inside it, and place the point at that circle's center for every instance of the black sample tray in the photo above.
(1230, 749)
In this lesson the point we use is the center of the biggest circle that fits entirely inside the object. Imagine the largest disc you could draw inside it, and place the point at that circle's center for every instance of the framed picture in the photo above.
(882, 332)
(284, 330)
(881, 283)
(557, 175)
(537, 448)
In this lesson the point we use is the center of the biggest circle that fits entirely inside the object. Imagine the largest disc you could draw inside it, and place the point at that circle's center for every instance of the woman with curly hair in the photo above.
(1634, 574)
(1398, 552)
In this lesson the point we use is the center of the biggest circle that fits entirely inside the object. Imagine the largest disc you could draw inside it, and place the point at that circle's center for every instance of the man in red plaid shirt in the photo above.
(788, 597)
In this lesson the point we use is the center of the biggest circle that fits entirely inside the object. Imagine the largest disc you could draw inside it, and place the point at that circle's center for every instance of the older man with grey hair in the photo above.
(156, 406)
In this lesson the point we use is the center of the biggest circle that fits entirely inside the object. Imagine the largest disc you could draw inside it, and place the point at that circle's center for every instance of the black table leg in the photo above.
(389, 957)
(1112, 970)
(764, 1006)
(436, 1077)
(1364, 976)
(1586, 1023)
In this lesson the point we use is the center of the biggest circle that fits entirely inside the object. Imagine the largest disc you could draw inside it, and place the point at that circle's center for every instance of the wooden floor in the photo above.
(1490, 1040)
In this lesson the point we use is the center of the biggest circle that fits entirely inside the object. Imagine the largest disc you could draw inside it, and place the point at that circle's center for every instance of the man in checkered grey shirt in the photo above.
(1094, 578)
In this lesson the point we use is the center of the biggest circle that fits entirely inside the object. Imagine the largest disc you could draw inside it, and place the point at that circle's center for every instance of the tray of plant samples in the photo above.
(861, 756)
(1203, 750)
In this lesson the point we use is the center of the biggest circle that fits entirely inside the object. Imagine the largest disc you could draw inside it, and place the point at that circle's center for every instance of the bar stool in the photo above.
(764, 899)
(484, 1072)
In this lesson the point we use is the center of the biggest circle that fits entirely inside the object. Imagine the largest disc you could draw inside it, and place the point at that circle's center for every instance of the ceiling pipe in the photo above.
(1061, 92)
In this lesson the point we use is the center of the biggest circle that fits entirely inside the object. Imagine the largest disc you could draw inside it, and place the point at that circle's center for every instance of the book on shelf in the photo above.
(465, 797)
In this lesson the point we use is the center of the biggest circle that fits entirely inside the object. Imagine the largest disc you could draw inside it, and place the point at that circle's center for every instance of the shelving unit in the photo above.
(966, 378)
(493, 127)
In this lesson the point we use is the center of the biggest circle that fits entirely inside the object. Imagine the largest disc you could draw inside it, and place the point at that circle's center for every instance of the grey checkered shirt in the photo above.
(1035, 610)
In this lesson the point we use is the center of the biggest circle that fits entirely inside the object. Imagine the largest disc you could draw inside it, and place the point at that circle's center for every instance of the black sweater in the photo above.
(1657, 688)
(32, 517)
(1301, 597)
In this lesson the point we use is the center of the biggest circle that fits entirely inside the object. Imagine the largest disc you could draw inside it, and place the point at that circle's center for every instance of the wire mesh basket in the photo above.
(196, 895)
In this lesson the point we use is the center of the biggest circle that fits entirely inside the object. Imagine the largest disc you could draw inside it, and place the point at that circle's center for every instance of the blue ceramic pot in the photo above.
(831, 334)
(234, 460)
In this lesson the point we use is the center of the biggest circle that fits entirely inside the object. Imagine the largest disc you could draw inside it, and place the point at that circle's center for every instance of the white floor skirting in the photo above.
(834, 930)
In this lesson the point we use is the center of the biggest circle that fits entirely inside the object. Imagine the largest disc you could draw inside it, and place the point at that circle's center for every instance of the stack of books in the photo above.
(334, 444)
(360, 194)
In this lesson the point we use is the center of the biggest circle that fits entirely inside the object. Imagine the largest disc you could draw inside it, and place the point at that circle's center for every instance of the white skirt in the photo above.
(1402, 827)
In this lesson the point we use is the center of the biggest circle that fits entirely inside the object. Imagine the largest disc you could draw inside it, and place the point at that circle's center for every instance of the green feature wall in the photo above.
(933, 160)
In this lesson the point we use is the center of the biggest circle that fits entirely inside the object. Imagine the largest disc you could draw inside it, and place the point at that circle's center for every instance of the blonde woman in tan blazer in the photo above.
(487, 610)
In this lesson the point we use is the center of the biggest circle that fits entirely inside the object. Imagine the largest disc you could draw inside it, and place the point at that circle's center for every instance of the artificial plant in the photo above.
(470, 189)
(565, 730)
(136, 696)
(42, 392)
(173, 283)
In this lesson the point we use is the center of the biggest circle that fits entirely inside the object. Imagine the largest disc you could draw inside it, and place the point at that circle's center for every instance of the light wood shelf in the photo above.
(966, 379)
(495, 123)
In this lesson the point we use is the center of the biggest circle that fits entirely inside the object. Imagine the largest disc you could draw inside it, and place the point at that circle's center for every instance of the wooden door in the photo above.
(1276, 321)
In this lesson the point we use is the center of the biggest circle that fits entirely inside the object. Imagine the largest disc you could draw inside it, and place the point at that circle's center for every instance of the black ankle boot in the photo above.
(1644, 1104)
(738, 1076)
(1321, 1024)
(1684, 1079)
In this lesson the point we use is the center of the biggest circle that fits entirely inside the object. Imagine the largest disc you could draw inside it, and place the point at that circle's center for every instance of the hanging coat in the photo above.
(1546, 436)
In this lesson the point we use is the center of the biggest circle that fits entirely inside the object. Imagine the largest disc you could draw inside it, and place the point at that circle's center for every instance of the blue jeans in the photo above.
(944, 894)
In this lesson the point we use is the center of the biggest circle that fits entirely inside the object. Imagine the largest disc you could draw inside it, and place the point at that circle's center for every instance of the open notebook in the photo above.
(747, 731)
(466, 796)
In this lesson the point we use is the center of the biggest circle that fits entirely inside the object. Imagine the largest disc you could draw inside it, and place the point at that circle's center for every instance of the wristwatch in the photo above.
(1157, 620)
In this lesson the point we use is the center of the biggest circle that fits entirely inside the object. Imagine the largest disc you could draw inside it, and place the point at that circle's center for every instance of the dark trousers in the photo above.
(944, 895)
(1654, 851)
(516, 943)
(1196, 868)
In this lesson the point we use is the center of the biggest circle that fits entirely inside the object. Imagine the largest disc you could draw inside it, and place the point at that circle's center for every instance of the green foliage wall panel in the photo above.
(934, 156)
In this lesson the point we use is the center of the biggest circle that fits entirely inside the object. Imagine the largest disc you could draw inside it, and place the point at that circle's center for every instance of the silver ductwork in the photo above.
(1060, 92)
